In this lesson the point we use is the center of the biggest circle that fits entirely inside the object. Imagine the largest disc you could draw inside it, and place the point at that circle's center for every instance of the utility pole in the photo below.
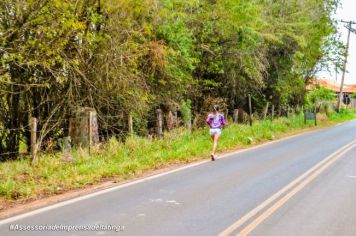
(350, 29)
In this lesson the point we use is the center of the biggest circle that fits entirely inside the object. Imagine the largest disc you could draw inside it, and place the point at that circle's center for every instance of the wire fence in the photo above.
(23, 128)
(87, 129)
(13, 153)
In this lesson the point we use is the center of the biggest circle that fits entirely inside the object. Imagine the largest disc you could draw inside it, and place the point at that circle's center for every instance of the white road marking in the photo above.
(173, 202)
(71, 201)
(157, 200)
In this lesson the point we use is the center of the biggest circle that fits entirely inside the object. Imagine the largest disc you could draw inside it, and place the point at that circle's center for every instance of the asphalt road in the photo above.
(224, 197)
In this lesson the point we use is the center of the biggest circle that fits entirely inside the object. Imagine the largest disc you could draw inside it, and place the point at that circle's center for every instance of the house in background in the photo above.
(348, 89)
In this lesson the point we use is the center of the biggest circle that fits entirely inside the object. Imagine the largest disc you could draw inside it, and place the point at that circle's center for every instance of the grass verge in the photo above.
(20, 181)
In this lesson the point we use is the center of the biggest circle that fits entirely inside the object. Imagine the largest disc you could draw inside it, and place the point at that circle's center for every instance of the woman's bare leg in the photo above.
(212, 141)
(215, 142)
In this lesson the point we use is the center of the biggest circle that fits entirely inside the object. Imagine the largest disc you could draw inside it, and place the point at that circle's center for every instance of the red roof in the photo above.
(332, 85)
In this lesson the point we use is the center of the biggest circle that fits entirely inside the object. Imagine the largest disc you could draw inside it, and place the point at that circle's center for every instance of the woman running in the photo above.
(216, 121)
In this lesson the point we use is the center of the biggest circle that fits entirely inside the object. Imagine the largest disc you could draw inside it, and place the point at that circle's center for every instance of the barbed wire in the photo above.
(16, 129)
(8, 153)
(118, 126)
(107, 129)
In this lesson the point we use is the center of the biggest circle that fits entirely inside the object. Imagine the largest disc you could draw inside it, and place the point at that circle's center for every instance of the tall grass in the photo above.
(345, 114)
(19, 180)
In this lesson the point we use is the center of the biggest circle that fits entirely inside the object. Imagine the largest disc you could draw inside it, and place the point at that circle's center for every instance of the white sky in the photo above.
(346, 12)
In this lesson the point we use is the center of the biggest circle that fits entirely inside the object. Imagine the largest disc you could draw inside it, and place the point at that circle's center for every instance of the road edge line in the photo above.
(144, 179)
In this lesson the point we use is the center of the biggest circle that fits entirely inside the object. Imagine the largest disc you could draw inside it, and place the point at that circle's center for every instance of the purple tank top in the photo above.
(215, 121)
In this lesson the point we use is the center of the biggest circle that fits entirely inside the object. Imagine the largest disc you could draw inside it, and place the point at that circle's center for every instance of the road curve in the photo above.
(208, 198)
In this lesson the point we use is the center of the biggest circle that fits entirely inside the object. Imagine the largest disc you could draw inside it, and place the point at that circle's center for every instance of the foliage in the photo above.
(129, 56)
(186, 110)
(319, 94)
(344, 114)
(320, 98)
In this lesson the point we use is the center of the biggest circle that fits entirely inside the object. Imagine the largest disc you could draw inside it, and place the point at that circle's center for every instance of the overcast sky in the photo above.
(347, 12)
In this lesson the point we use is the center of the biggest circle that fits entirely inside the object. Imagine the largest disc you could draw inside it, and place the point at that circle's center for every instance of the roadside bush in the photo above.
(319, 98)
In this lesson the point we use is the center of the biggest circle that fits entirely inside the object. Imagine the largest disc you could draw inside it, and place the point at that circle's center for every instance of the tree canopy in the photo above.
(130, 57)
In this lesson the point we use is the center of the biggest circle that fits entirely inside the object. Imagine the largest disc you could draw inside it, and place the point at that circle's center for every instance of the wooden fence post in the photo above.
(272, 115)
(130, 123)
(250, 108)
(287, 111)
(175, 116)
(83, 127)
(90, 131)
(236, 115)
(33, 125)
(159, 128)
(265, 111)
